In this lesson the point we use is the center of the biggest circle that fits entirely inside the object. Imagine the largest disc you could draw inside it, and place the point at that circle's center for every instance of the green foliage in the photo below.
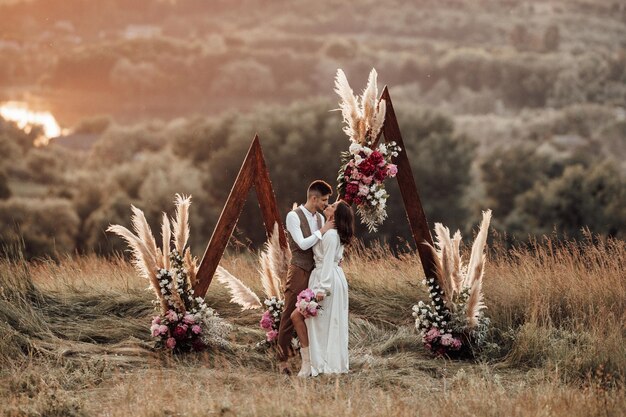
(593, 197)
(46, 227)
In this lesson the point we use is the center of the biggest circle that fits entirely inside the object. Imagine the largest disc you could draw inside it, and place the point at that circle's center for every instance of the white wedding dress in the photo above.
(328, 331)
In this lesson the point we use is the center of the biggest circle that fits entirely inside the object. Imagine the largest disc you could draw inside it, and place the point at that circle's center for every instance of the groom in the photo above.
(305, 227)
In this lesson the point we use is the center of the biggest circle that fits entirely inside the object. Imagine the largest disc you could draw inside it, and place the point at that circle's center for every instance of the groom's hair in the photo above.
(319, 188)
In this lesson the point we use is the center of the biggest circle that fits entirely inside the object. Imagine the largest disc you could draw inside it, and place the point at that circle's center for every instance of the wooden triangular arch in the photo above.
(412, 202)
(253, 173)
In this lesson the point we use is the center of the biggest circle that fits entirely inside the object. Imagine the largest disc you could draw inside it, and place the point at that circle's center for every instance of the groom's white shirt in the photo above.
(293, 227)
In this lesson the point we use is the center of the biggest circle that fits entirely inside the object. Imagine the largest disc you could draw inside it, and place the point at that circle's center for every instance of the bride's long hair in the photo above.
(344, 222)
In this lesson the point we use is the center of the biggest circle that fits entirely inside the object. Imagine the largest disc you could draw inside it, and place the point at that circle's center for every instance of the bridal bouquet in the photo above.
(184, 322)
(364, 168)
(453, 323)
(306, 303)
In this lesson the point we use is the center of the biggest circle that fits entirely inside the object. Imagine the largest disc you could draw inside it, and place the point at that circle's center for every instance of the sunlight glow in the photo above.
(25, 119)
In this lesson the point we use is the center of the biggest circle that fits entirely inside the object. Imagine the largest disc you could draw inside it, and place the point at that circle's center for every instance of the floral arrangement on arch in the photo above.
(453, 323)
(274, 262)
(183, 322)
(364, 168)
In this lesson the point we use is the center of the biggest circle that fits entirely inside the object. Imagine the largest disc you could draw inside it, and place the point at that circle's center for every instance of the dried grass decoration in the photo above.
(453, 324)
(184, 322)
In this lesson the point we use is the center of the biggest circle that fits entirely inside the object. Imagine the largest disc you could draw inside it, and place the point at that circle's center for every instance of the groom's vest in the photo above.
(303, 258)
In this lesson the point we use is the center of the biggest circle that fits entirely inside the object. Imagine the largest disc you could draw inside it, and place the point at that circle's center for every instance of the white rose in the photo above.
(367, 151)
(358, 159)
(355, 148)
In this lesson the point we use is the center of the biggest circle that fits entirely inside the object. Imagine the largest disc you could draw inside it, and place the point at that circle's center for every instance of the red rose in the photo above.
(352, 188)
(376, 158)
(180, 333)
(367, 167)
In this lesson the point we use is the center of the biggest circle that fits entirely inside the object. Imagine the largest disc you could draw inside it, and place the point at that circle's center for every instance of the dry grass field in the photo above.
(74, 341)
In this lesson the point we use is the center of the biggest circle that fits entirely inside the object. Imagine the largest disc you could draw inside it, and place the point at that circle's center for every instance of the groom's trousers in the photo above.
(297, 281)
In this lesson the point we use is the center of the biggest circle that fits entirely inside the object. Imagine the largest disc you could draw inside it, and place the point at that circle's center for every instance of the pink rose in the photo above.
(171, 315)
(156, 320)
(367, 180)
(189, 319)
(163, 329)
(447, 339)
(196, 329)
(356, 175)
(154, 330)
(364, 190)
(170, 343)
(432, 334)
(456, 344)
(392, 170)
(271, 335)
(266, 321)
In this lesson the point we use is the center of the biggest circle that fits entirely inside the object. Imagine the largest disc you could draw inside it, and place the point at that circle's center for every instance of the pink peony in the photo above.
(432, 334)
(306, 295)
(156, 320)
(364, 190)
(171, 316)
(456, 343)
(163, 329)
(356, 175)
(170, 343)
(189, 319)
(154, 330)
(271, 335)
(196, 329)
(392, 170)
(447, 339)
(367, 180)
(266, 320)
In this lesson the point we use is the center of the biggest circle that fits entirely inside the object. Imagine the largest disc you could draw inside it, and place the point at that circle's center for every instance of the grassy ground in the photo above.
(74, 341)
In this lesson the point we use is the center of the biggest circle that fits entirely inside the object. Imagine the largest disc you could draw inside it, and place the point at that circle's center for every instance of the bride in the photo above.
(324, 338)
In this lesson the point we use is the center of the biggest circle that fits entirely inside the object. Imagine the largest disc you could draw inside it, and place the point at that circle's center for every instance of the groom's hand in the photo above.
(327, 226)
(320, 296)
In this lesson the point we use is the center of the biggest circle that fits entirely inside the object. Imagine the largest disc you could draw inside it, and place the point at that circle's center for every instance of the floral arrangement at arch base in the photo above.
(364, 168)
(453, 323)
(183, 322)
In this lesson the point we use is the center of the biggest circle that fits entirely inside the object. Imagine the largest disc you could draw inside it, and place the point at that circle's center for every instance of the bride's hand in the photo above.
(327, 226)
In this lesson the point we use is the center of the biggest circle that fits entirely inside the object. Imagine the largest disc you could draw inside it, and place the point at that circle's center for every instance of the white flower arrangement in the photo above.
(453, 324)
